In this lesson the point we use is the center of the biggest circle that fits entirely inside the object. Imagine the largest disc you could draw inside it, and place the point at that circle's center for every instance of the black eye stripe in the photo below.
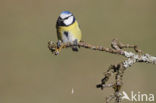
(60, 21)
(67, 17)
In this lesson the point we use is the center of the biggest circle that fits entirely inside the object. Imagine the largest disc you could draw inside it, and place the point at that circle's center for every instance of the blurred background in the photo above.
(29, 73)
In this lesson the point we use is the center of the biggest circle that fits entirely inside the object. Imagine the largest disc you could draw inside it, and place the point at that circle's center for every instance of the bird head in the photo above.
(66, 18)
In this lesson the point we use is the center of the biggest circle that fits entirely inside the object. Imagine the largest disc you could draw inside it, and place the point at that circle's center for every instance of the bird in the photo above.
(68, 29)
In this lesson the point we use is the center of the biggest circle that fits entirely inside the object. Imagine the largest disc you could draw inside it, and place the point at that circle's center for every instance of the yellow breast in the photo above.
(73, 29)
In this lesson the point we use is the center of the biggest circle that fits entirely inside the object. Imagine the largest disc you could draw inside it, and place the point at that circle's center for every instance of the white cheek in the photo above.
(69, 20)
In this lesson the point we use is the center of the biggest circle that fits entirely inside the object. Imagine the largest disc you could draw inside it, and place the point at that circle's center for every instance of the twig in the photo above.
(118, 69)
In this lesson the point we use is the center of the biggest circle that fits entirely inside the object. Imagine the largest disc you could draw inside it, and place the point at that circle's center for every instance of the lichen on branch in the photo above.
(117, 47)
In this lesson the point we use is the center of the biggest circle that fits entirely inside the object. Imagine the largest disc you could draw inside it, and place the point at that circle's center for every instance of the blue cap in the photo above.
(66, 12)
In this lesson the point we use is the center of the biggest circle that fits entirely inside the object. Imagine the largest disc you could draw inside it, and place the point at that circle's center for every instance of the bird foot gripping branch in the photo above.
(117, 69)
(55, 48)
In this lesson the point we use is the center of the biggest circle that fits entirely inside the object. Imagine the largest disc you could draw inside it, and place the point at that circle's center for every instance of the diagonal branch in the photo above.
(118, 69)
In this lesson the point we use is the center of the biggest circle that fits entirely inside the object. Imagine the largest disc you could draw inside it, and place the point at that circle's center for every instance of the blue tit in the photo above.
(68, 29)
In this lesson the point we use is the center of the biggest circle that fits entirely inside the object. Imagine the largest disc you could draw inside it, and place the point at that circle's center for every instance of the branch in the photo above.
(118, 70)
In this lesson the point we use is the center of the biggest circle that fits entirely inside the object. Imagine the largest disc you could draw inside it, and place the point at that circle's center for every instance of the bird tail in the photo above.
(75, 48)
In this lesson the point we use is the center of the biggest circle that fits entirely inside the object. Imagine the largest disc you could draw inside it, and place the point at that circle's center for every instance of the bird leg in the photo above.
(59, 47)
(75, 45)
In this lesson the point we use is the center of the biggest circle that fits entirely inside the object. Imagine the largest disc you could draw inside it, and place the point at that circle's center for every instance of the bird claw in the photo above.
(59, 47)
(57, 51)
